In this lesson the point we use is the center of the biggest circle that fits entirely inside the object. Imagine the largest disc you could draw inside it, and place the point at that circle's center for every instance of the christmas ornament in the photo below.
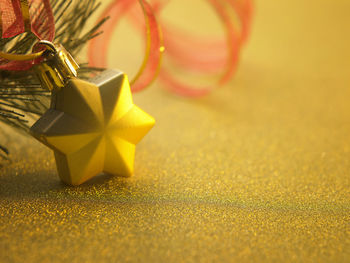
(91, 126)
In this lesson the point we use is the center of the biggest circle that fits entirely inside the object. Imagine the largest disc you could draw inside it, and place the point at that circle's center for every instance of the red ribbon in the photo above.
(40, 22)
(185, 50)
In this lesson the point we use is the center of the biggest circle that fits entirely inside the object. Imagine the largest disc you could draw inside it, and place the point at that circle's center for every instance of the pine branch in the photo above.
(21, 96)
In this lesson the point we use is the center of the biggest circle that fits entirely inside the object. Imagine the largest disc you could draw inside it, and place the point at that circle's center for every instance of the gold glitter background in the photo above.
(258, 171)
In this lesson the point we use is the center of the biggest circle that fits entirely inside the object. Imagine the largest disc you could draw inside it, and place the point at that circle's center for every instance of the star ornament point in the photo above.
(93, 127)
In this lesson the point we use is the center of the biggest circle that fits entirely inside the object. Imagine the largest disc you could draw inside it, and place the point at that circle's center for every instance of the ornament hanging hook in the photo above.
(57, 65)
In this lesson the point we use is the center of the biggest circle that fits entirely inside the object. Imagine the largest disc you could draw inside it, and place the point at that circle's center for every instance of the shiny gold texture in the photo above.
(57, 68)
(93, 127)
(256, 172)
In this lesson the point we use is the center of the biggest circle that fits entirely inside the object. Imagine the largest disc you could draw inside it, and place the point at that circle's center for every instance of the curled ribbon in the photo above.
(183, 49)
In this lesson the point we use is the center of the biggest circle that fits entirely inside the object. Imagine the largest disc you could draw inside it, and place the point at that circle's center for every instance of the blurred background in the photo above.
(257, 171)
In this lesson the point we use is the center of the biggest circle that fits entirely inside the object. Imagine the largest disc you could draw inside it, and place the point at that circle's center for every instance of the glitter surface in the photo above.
(255, 172)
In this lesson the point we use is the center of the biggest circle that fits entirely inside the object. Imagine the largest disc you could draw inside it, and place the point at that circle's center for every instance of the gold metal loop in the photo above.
(57, 66)
(47, 44)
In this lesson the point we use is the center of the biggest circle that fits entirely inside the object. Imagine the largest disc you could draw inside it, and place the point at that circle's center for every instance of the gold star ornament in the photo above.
(93, 126)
